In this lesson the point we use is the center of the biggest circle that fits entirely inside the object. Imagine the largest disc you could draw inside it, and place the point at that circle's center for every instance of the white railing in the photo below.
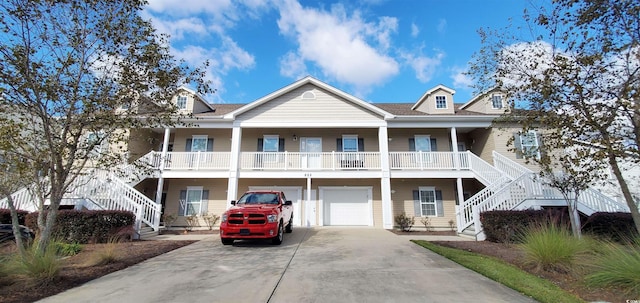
(142, 168)
(309, 161)
(600, 202)
(198, 160)
(465, 210)
(429, 160)
(23, 199)
(512, 168)
(485, 172)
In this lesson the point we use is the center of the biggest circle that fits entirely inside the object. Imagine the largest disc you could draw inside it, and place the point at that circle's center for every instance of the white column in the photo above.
(308, 199)
(163, 156)
(232, 186)
(385, 181)
(454, 148)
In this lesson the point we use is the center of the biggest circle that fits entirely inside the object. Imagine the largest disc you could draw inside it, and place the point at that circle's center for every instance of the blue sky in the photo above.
(383, 51)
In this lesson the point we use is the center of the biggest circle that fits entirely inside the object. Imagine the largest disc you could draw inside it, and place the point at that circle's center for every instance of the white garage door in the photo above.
(346, 206)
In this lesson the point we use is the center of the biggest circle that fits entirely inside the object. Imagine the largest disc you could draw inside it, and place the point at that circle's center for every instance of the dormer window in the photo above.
(441, 102)
(496, 101)
(182, 102)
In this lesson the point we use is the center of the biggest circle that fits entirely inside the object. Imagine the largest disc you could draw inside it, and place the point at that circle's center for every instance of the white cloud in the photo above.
(292, 66)
(345, 48)
(461, 80)
(424, 66)
(442, 26)
(415, 30)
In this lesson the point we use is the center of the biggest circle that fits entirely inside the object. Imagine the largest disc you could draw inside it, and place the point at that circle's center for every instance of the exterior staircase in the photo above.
(519, 188)
(101, 189)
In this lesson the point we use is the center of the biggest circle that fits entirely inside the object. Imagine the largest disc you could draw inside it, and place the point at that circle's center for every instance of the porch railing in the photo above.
(429, 160)
(198, 160)
(309, 161)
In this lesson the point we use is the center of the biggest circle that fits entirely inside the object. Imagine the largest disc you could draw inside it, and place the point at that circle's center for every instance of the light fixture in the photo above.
(295, 138)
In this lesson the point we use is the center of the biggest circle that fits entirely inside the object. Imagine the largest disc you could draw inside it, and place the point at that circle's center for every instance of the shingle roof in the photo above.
(404, 109)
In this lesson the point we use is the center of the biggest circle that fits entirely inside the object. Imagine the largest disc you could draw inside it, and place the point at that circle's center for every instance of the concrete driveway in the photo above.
(312, 265)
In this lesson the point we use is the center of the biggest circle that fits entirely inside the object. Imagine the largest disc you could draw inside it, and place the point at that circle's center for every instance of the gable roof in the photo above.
(197, 96)
(300, 83)
(478, 97)
(431, 91)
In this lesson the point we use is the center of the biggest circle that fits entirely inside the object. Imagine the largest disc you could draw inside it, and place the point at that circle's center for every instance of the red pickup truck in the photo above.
(257, 215)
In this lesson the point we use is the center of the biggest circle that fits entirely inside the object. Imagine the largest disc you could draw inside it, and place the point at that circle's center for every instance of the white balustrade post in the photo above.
(234, 163)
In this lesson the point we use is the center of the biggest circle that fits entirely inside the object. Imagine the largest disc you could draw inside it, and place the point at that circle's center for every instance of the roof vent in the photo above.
(308, 95)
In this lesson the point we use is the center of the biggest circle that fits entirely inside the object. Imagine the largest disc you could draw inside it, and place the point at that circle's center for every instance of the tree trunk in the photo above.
(15, 225)
(635, 214)
(574, 217)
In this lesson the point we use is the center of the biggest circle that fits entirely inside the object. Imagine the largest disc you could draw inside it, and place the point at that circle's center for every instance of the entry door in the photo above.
(310, 208)
(311, 149)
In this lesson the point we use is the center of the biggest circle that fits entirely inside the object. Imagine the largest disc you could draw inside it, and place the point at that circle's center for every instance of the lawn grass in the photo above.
(507, 274)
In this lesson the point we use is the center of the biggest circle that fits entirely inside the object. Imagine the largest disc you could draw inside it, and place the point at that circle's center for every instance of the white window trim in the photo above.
(349, 137)
(445, 102)
(199, 137)
(271, 158)
(186, 201)
(535, 145)
(186, 99)
(435, 200)
(493, 105)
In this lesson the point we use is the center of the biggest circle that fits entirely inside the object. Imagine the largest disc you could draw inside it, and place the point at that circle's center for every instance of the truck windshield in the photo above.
(258, 198)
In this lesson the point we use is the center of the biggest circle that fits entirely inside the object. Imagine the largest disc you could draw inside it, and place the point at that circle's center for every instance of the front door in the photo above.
(311, 149)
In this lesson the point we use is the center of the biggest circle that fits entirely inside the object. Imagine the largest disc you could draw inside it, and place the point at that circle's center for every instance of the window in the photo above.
(496, 101)
(270, 144)
(423, 143)
(441, 102)
(199, 143)
(95, 141)
(529, 144)
(349, 143)
(191, 201)
(428, 201)
(182, 102)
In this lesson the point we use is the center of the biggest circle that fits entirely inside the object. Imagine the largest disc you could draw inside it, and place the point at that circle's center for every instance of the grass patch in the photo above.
(553, 248)
(618, 266)
(107, 254)
(507, 274)
(67, 249)
(38, 267)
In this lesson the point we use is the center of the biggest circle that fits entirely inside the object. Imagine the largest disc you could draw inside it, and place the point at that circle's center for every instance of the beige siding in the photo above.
(484, 105)
(217, 196)
(250, 138)
(326, 107)
(482, 144)
(198, 106)
(501, 136)
(400, 138)
(142, 141)
(221, 138)
(429, 105)
(403, 200)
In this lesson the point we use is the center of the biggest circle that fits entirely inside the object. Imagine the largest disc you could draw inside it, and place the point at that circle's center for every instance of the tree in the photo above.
(74, 76)
(578, 77)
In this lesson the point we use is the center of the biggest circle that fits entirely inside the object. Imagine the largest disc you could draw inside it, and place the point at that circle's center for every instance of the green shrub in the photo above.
(67, 249)
(618, 227)
(506, 226)
(404, 222)
(95, 226)
(40, 268)
(5, 216)
(552, 248)
(619, 267)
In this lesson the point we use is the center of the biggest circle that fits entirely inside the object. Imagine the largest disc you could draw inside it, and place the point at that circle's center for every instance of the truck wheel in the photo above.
(289, 228)
(226, 241)
(277, 240)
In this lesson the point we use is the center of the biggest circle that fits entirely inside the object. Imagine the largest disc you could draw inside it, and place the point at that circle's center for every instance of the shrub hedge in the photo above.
(95, 226)
(507, 226)
(5, 216)
(611, 226)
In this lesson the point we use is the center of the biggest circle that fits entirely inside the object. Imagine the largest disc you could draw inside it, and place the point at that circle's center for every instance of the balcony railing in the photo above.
(325, 161)
(310, 161)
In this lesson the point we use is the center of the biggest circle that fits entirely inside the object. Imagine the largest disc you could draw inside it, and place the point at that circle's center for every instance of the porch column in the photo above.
(163, 156)
(385, 180)
(307, 199)
(454, 148)
(460, 191)
(234, 163)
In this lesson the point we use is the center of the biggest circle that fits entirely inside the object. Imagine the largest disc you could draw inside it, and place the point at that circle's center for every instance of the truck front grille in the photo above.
(254, 219)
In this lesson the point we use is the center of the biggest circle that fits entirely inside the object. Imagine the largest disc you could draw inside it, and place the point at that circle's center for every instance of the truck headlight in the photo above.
(224, 217)
(272, 218)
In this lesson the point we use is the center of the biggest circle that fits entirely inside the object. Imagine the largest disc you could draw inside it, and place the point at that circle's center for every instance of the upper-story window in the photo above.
(496, 101)
(529, 144)
(349, 143)
(182, 102)
(441, 102)
(270, 144)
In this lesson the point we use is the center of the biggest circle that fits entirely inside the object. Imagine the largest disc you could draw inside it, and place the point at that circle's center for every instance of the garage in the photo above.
(346, 206)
